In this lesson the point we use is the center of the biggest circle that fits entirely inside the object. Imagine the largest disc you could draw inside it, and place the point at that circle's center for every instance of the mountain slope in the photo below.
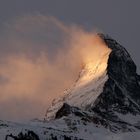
(63, 129)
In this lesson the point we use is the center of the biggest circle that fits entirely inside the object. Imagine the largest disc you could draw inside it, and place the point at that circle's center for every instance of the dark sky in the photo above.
(120, 19)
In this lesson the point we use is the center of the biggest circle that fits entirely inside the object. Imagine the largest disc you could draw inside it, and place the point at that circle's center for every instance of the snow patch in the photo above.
(129, 118)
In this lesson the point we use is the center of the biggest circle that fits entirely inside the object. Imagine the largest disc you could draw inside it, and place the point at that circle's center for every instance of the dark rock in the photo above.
(30, 135)
(65, 110)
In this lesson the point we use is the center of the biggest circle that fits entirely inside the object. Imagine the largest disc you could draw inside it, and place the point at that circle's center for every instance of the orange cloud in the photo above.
(43, 58)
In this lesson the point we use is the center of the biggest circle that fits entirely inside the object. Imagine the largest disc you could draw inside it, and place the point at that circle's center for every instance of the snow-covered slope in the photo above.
(65, 128)
(90, 83)
(62, 129)
(87, 88)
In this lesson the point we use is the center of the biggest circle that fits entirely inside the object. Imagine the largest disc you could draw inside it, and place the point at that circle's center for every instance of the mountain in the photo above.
(103, 103)
(109, 89)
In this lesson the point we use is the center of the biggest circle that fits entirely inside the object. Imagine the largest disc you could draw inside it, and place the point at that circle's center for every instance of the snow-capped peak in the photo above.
(88, 86)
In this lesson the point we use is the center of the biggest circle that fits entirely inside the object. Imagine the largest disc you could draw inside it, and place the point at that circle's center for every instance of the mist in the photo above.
(40, 58)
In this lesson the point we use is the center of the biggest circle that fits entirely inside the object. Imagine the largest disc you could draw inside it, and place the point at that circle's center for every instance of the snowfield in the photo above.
(59, 127)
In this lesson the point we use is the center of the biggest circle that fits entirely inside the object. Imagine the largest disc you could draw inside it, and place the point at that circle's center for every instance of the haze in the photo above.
(32, 74)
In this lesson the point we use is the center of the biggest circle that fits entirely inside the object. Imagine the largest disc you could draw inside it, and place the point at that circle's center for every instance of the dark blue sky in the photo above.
(120, 19)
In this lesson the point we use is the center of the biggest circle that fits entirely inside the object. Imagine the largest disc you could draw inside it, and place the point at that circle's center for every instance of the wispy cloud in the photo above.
(41, 57)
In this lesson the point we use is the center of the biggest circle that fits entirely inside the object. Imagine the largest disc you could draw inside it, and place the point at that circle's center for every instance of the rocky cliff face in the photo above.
(121, 95)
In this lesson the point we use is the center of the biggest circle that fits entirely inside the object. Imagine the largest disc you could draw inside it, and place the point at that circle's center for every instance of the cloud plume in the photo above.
(40, 58)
